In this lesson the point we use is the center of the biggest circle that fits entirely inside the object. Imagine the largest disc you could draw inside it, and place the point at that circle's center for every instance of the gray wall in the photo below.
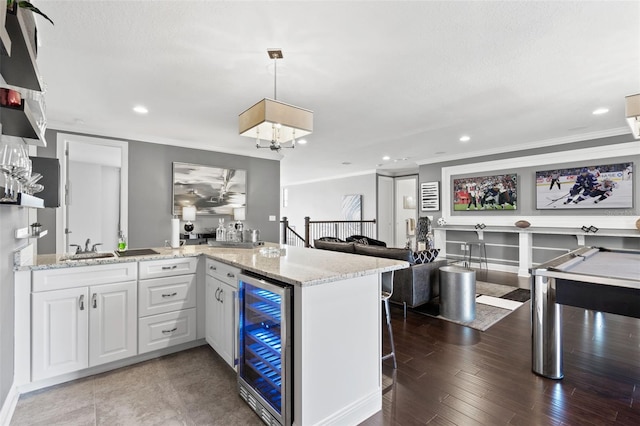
(150, 182)
(501, 248)
(526, 176)
(150, 192)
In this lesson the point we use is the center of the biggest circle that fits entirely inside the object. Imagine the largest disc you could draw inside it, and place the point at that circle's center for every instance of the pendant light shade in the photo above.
(632, 112)
(273, 121)
(268, 116)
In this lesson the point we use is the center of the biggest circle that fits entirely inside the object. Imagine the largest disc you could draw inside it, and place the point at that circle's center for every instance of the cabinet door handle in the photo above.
(216, 295)
(81, 301)
(169, 294)
(230, 275)
(94, 302)
(220, 299)
(166, 268)
(169, 331)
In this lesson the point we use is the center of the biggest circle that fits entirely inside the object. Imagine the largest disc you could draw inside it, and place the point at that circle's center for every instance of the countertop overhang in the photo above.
(294, 265)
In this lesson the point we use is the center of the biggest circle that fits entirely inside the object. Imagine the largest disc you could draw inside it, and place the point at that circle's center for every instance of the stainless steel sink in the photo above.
(85, 256)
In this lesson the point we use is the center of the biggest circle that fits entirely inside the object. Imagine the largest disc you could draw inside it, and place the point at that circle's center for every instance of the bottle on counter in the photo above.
(231, 233)
(221, 232)
(122, 242)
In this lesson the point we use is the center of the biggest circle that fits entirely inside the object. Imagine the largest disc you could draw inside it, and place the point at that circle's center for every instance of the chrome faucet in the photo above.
(94, 248)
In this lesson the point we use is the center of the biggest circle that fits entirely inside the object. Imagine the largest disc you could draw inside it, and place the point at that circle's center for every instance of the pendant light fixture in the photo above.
(632, 112)
(274, 122)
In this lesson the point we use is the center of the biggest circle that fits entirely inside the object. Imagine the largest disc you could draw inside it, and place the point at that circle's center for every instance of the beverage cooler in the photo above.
(265, 345)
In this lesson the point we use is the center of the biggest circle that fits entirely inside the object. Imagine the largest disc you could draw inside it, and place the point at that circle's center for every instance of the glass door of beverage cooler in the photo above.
(264, 374)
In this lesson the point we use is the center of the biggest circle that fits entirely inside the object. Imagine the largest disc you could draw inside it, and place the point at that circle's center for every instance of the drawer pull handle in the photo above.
(169, 294)
(169, 331)
(230, 275)
(81, 301)
(213, 268)
(166, 268)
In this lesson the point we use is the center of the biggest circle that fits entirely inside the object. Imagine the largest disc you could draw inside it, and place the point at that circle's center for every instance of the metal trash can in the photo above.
(457, 293)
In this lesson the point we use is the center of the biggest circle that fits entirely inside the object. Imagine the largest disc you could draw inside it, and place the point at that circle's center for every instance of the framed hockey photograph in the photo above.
(486, 193)
(594, 186)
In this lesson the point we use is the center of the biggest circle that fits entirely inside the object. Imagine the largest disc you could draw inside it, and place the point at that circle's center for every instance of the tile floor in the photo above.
(193, 387)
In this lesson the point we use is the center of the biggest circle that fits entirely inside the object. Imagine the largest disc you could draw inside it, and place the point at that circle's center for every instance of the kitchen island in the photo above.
(336, 319)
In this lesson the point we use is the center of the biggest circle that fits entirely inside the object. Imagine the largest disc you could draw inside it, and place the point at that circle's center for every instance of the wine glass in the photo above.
(13, 165)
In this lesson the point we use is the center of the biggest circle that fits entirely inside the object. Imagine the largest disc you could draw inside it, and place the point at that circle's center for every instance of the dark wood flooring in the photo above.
(453, 375)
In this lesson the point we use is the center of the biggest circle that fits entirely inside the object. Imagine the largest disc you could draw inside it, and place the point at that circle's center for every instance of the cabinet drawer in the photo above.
(164, 330)
(168, 267)
(222, 271)
(83, 276)
(160, 295)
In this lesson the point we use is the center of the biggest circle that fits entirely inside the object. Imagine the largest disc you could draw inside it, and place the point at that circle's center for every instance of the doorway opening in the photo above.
(95, 192)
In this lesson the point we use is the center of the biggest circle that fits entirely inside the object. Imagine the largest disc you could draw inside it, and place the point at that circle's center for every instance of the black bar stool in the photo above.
(482, 254)
(387, 291)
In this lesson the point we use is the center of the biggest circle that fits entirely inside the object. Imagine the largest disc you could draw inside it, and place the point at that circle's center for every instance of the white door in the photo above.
(221, 323)
(385, 210)
(406, 194)
(113, 322)
(95, 192)
(60, 332)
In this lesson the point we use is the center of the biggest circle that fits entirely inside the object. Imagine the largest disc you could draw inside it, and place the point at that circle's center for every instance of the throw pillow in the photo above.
(364, 241)
(425, 256)
(331, 239)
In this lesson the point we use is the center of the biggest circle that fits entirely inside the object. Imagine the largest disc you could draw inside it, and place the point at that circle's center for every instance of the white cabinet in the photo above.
(82, 327)
(167, 303)
(60, 332)
(221, 307)
(112, 322)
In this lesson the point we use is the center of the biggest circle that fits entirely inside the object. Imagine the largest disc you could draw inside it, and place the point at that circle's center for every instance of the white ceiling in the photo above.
(397, 78)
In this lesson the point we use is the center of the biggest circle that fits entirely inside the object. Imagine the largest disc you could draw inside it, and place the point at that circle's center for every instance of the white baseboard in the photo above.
(9, 406)
(357, 412)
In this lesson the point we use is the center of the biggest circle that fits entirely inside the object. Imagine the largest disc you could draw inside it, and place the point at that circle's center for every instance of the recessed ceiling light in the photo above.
(386, 158)
(301, 141)
(600, 111)
(465, 138)
(140, 109)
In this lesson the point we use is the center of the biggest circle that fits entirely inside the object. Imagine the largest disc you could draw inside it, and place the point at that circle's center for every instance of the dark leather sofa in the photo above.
(412, 287)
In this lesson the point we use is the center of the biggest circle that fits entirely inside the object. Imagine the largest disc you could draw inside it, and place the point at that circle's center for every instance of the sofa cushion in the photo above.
(335, 246)
(361, 239)
(389, 253)
(331, 239)
(425, 256)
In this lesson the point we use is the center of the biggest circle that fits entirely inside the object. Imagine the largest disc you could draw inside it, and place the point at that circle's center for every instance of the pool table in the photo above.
(590, 277)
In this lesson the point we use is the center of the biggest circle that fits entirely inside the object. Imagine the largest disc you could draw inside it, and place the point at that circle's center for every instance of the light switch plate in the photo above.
(272, 218)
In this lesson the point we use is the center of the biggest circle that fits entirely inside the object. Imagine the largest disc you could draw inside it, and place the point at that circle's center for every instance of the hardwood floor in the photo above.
(453, 375)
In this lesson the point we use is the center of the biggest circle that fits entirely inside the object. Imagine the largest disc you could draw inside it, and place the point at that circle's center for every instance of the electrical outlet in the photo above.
(461, 247)
(272, 218)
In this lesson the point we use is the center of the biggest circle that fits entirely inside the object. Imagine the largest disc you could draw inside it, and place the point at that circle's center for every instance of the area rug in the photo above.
(493, 303)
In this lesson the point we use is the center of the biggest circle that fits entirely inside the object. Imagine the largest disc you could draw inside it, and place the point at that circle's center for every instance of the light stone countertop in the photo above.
(296, 265)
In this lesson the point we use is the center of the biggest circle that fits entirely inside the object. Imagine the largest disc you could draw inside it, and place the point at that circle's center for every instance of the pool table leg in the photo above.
(546, 328)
